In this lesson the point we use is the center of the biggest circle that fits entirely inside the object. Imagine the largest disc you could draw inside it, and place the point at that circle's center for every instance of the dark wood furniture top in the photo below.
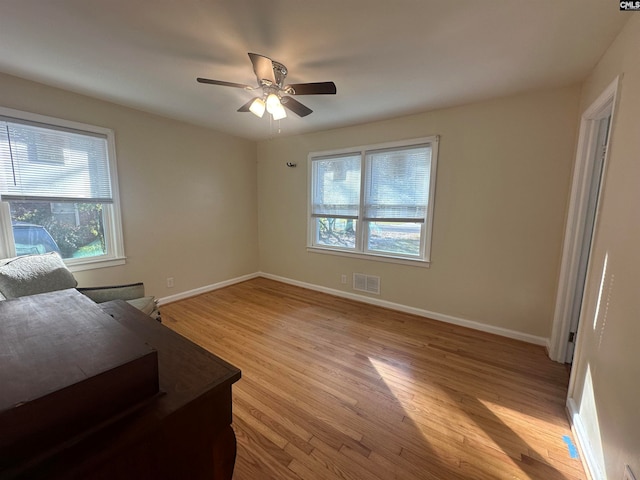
(182, 432)
(66, 366)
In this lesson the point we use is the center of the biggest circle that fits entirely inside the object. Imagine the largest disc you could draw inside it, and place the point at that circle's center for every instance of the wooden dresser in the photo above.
(176, 426)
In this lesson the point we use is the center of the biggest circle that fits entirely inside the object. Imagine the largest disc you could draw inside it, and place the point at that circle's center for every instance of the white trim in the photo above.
(582, 439)
(100, 263)
(357, 150)
(208, 288)
(7, 250)
(55, 121)
(428, 235)
(414, 262)
(503, 332)
(574, 230)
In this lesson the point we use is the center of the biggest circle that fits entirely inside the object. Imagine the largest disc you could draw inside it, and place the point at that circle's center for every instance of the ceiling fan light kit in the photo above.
(279, 112)
(257, 107)
(275, 94)
(272, 103)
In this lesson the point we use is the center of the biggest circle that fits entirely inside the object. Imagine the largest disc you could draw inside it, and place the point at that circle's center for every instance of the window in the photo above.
(58, 189)
(374, 201)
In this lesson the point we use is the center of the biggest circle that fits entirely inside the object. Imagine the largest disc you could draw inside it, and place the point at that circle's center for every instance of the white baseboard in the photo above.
(504, 332)
(586, 454)
(205, 289)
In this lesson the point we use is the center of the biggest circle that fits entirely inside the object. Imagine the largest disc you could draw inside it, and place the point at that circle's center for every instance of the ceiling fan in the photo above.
(275, 95)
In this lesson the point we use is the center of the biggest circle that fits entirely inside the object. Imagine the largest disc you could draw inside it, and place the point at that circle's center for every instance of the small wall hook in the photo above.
(291, 164)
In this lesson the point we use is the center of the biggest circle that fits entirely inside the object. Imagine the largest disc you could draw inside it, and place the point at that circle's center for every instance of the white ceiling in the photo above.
(387, 58)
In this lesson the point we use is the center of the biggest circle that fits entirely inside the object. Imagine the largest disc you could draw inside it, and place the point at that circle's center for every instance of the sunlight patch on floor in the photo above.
(418, 399)
(514, 418)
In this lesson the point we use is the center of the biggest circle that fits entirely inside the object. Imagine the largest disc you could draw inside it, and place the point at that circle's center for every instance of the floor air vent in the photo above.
(366, 283)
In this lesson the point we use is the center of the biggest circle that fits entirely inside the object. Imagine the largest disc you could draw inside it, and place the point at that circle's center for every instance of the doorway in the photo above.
(595, 132)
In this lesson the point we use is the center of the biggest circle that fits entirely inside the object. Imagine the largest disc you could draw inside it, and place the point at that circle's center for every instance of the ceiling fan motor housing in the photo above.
(271, 76)
(280, 73)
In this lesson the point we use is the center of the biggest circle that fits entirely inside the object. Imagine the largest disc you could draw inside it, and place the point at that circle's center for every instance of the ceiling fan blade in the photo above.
(245, 107)
(296, 107)
(263, 68)
(317, 88)
(224, 84)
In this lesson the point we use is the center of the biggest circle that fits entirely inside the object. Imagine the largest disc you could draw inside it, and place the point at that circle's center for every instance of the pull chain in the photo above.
(13, 167)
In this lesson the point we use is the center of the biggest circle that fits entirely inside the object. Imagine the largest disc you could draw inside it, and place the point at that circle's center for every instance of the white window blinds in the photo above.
(50, 163)
(336, 186)
(397, 184)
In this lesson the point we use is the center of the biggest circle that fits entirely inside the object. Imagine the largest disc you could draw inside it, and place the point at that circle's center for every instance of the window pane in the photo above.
(336, 232)
(397, 183)
(394, 237)
(45, 162)
(387, 188)
(75, 230)
(336, 186)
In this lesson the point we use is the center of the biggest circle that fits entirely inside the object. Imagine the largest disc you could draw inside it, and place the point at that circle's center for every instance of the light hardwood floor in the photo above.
(337, 389)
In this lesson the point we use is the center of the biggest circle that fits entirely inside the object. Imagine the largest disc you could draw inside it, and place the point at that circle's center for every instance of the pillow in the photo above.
(33, 274)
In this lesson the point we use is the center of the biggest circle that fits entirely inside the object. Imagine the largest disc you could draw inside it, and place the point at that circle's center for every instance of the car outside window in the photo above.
(33, 239)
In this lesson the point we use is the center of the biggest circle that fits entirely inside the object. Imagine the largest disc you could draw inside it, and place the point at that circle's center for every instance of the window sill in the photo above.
(372, 256)
(94, 264)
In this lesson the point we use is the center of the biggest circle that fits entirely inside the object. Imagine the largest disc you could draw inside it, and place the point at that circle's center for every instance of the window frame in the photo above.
(111, 211)
(361, 250)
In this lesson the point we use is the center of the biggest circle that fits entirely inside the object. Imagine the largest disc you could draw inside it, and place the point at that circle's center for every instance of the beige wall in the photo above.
(189, 197)
(502, 186)
(606, 370)
(188, 193)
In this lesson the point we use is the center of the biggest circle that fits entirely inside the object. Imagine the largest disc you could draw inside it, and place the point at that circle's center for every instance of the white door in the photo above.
(599, 152)
(590, 167)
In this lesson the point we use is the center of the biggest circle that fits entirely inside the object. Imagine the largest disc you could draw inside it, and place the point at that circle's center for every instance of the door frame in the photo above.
(575, 232)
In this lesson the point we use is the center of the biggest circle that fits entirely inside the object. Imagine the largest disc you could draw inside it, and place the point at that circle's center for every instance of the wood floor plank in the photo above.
(336, 389)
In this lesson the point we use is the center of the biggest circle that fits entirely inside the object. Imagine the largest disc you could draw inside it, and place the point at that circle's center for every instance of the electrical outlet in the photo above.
(628, 474)
(343, 279)
(169, 282)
